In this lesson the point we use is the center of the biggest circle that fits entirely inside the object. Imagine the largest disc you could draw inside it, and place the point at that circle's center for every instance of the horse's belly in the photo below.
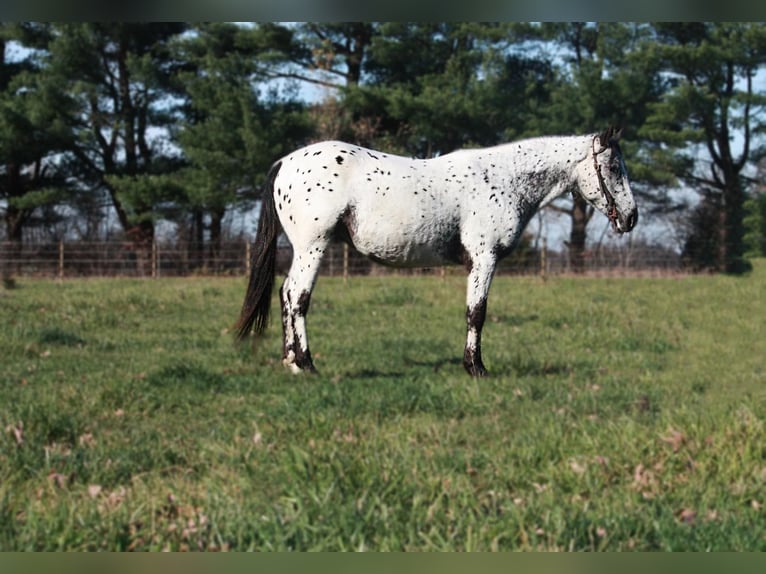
(423, 245)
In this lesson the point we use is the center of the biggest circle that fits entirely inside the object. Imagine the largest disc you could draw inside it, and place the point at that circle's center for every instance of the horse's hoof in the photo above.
(476, 370)
(292, 367)
(296, 369)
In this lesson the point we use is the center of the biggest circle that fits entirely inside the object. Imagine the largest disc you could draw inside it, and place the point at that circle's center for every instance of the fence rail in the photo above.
(67, 259)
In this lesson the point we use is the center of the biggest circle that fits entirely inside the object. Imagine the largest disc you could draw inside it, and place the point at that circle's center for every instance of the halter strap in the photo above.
(611, 211)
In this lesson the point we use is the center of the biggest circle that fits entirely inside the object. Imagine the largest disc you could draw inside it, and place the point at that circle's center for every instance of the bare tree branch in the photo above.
(702, 180)
(300, 77)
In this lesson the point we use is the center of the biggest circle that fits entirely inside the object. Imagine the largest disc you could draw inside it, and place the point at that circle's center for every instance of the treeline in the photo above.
(127, 125)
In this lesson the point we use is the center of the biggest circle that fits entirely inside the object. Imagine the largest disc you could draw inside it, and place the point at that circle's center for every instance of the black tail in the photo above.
(257, 304)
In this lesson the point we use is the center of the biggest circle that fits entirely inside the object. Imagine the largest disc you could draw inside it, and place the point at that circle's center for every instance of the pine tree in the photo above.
(711, 118)
(31, 137)
(230, 133)
(599, 82)
(119, 78)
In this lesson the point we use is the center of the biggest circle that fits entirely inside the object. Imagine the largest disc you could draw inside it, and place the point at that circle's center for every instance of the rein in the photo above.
(611, 211)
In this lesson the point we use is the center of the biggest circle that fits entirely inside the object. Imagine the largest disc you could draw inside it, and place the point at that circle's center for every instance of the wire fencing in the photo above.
(70, 259)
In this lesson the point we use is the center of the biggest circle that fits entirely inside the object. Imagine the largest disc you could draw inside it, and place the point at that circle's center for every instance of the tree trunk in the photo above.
(733, 229)
(14, 216)
(578, 234)
(141, 236)
(216, 225)
(14, 223)
(361, 36)
(127, 110)
(197, 239)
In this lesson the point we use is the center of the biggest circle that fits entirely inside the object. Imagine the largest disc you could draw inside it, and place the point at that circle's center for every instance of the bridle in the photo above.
(611, 210)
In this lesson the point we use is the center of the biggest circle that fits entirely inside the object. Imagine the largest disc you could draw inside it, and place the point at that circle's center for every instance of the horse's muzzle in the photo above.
(622, 224)
(630, 221)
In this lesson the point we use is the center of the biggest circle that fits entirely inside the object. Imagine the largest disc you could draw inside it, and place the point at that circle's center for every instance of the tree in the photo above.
(118, 77)
(710, 119)
(418, 88)
(338, 50)
(599, 82)
(31, 181)
(437, 87)
(755, 215)
(228, 136)
(701, 247)
(332, 55)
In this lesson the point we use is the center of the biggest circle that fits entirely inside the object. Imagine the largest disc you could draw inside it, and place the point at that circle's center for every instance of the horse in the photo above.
(467, 207)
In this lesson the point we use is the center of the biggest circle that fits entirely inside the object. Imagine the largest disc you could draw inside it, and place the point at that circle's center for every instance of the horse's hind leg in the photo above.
(295, 297)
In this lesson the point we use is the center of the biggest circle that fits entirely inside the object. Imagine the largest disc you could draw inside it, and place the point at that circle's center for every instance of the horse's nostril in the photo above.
(630, 221)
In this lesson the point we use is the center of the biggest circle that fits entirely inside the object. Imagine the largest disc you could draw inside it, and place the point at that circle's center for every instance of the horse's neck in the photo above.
(564, 156)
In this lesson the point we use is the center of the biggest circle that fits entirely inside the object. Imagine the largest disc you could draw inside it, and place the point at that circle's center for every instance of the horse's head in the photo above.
(603, 181)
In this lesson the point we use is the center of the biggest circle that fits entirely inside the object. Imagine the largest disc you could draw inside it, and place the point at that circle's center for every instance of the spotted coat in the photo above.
(468, 207)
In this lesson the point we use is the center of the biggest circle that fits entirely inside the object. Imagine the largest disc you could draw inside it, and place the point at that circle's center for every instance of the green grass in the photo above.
(621, 414)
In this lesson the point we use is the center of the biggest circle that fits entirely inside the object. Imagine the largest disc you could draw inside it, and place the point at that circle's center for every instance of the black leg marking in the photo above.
(303, 356)
(303, 360)
(286, 331)
(303, 303)
(293, 353)
(472, 356)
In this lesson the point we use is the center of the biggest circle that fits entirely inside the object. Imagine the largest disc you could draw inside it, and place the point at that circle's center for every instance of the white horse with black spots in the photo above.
(467, 207)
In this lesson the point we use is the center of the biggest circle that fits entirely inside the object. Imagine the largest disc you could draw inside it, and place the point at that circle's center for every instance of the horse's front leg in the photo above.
(479, 279)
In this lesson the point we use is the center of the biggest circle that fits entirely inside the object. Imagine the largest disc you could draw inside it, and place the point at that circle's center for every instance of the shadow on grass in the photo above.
(56, 336)
(365, 374)
(533, 367)
(518, 367)
(435, 365)
(186, 376)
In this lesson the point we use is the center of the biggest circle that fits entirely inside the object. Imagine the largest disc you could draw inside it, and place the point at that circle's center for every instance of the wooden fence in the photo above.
(68, 259)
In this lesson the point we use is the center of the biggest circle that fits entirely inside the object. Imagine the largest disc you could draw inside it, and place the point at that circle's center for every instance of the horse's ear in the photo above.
(603, 139)
(611, 135)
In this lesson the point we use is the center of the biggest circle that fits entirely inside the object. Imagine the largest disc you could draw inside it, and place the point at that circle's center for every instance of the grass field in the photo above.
(621, 414)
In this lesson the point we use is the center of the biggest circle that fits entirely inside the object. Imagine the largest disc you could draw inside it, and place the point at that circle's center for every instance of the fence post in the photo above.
(60, 273)
(544, 259)
(345, 263)
(155, 260)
